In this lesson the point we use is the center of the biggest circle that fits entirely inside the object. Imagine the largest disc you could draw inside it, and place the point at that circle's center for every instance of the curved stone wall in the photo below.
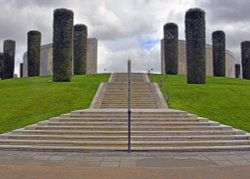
(47, 54)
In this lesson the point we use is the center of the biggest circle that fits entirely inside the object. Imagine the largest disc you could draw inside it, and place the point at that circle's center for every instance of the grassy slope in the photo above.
(29, 100)
(221, 99)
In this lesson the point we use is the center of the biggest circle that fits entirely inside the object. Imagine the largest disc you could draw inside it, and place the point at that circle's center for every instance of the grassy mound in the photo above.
(29, 100)
(222, 99)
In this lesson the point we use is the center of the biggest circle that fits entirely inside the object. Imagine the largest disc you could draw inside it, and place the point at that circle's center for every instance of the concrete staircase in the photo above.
(144, 95)
(103, 127)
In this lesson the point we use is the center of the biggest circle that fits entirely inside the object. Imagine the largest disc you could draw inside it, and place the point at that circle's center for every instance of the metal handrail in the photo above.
(129, 106)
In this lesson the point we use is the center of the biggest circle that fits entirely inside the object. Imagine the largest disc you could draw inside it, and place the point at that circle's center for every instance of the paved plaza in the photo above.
(20, 164)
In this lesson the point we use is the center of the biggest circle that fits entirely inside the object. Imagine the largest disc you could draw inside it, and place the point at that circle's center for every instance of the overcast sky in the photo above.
(124, 28)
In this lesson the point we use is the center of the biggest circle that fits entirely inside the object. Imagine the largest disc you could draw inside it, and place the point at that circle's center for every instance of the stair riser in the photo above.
(124, 149)
(133, 128)
(122, 138)
(125, 115)
(124, 133)
(123, 144)
(98, 124)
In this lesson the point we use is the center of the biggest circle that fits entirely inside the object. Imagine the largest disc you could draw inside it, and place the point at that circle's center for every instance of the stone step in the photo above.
(108, 149)
(125, 106)
(133, 114)
(133, 117)
(154, 112)
(101, 123)
(126, 103)
(125, 119)
(125, 143)
(133, 95)
(125, 99)
(135, 128)
(146, 133)
(132, 107)
(94, 137)
(135, 99)
(117, 113)
(123, 92)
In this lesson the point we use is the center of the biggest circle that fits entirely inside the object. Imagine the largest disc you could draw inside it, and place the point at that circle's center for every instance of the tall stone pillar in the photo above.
(196, 46)
(21, 70)
(62, 45)
(245, 57)
(219, 53)
(33, 52)
(171, 48)
(237, 70)
(9, 48)
(80, 48)
(1, 65)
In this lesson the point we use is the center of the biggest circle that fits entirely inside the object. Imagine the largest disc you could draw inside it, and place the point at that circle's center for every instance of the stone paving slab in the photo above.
(76, 172)
(123, 159)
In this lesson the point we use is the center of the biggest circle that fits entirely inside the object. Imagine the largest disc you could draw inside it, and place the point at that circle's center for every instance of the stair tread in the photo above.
(100, 148)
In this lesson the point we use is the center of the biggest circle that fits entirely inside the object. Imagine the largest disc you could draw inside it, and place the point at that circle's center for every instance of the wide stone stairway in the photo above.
(104, 126)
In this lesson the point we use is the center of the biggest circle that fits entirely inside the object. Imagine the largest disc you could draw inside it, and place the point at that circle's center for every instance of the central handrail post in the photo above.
(129, 105)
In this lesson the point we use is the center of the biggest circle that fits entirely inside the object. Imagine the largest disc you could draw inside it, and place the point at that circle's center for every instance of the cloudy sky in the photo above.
(124, 28)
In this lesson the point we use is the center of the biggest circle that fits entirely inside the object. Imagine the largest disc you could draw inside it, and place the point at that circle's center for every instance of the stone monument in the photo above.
(63, 45)
(171, 48)
(196, 46)
(33, 52)
(1, 65)
(80, 49)
(9, 58)
(245, 56)
(219, 57)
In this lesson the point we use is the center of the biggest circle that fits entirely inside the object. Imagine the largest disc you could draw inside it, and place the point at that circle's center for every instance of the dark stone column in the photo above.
(237, 70)
(219, 54)
(80, 48)
(196, 46)
(171, 48)
(62, 45)
(9, 47)
(245, 56)
(33, 52)
(21, 70)
(1, 65)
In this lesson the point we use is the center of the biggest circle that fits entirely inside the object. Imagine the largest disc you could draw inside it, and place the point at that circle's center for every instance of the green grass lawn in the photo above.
(222, 99)
(29, 100)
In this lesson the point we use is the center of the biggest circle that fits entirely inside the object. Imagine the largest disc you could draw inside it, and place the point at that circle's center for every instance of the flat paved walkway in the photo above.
(19, 164)
(40, 172)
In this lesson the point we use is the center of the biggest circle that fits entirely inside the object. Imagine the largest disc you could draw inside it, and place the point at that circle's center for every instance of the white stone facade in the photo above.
(46, 64)
(230, 60)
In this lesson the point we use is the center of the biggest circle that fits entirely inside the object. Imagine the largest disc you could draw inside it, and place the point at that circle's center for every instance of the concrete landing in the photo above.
(122, 165)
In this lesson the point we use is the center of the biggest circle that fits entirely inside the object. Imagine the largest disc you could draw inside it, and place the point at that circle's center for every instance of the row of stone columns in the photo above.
(68, 42)
(196, 50)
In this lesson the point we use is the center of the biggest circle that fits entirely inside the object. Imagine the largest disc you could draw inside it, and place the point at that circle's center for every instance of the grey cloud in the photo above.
(25, 3)
(226, 11)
